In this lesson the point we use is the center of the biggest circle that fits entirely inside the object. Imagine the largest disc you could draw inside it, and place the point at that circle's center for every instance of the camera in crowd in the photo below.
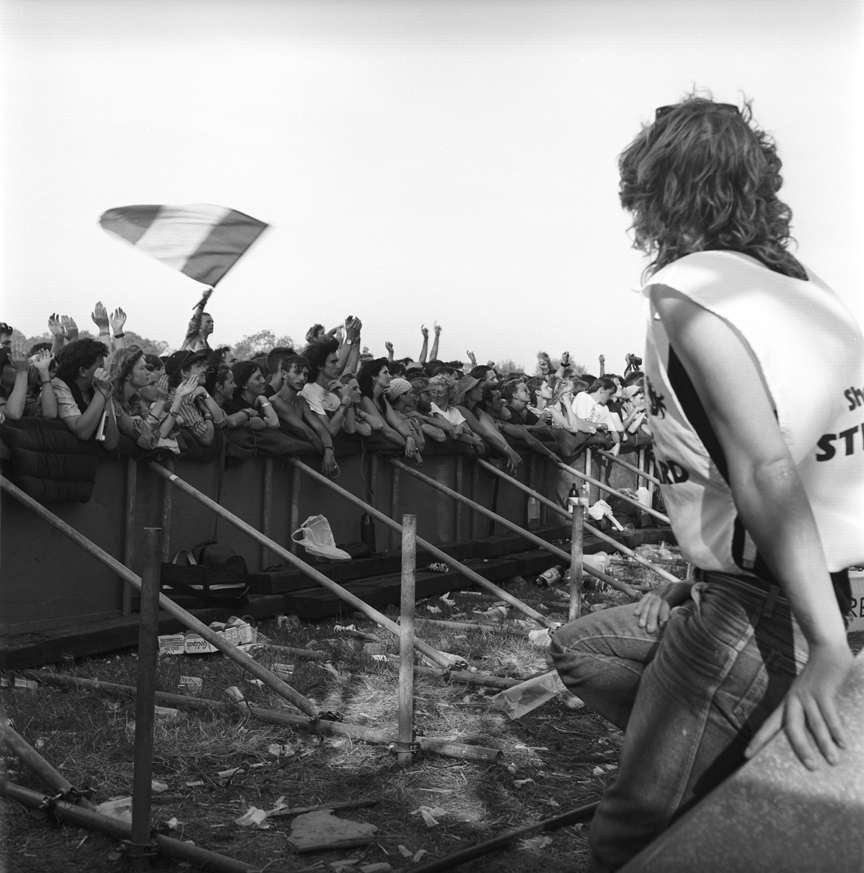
(633, 361)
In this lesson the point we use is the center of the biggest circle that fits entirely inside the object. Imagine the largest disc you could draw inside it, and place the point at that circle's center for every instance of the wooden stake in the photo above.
(140, 847)
(406, 640)
(578, 505)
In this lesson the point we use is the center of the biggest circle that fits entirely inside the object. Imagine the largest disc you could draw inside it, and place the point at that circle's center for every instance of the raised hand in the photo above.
(437, 329)
(70, 329)
(472, 358)
(389, 346)
(162, 389)
(117, 319)
(17, 357)
(602, 359)
(41, 363)
(425, 331)
(100, 317)
(185, 388)
(54, 324)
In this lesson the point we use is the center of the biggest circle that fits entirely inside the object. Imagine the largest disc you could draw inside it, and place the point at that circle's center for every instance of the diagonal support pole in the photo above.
(437, 553)
(528, 535)
(440, 658)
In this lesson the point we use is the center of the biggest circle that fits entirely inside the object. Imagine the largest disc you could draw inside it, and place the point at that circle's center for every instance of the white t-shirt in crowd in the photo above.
(320, 400)
(452, 414)
(588, 409)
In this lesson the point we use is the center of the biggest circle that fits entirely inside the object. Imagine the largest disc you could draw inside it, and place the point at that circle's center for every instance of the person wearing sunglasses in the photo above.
(763, 482)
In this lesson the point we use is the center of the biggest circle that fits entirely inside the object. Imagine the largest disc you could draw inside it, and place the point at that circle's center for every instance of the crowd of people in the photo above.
(328, 397)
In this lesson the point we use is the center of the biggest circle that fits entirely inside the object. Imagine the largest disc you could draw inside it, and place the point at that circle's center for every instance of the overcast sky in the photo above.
(415, 160)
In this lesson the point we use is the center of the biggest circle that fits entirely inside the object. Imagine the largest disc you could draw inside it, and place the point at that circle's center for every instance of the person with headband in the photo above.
(762, 478)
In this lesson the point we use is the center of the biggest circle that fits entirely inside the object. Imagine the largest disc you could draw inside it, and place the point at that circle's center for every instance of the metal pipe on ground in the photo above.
(483, 679)
(406, 640)
(67, 813)
(241, 658)
(625, 550)
(376, 736)
(440, 658)
(531, 537)
(583, 813)
(608, 489)
(437, 553)
(641, 474)
(42, 768)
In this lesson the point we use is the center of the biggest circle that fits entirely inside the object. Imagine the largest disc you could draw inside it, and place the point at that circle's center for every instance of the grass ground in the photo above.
(556, 758)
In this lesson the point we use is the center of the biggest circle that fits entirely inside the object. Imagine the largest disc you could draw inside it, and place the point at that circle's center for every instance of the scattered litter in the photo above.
(339, 628)
(40, 743)
(277, 751)
(419, 855)
(597, 607)
(433, 609)
(373, 648)
(157, 786)
(446, 598)
(321, 831)
(283, 671)
(597, 771)
(527, 696)
(494, 613)
(289, 621)
(166, 713)
(235, 694)
(428, 813)
(119, 808)
(541, 637)
(253, 817)
(534, 843)
(438, 567)
(379, 657)
(256, 682)
(27, 684)
(175, 824)
(404, 852)
(191, 685)
(520, 782)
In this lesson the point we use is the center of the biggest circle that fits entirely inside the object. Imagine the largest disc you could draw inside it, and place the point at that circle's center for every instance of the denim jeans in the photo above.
(688, 698)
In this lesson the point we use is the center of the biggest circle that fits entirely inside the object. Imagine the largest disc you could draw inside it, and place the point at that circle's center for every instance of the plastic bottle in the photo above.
(367, 532)
(550, 577)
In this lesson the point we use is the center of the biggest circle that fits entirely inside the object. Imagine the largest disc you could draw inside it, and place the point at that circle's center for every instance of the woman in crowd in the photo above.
(442, 388)
(374, 380)
(199, 416)
(249, 397)
(149, 426)
(469, 394)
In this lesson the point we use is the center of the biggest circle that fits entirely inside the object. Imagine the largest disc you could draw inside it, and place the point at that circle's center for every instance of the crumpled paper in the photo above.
(429, 813)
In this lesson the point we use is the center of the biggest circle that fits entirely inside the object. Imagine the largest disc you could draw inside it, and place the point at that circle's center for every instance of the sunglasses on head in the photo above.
(661, 111)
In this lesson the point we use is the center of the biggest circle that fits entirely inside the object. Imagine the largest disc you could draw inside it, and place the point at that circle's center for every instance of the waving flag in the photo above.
(202, 241)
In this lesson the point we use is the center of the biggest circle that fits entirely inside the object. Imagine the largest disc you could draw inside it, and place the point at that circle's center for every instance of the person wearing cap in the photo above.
(469, 394)
(198, 414)
(434, 425)
(764, 498)
(402, 405)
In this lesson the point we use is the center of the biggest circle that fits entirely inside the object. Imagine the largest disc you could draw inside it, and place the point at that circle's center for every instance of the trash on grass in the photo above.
(119, 808)
(428, 813)
(253, 817)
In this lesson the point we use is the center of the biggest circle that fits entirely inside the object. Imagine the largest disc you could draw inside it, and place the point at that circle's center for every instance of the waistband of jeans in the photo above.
(743, 580)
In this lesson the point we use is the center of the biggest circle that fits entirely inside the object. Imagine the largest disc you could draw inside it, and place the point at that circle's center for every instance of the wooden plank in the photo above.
(108, 635)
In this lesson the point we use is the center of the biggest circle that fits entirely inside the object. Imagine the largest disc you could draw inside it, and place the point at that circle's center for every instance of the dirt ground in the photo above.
(212, 767)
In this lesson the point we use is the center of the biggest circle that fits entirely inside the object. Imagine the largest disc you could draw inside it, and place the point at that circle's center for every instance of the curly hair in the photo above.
(703, 178)
(77, 355)
(317, 352)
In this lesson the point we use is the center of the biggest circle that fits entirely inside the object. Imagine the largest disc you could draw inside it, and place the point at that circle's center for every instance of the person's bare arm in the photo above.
(117, 320)
(41, 362)
(17, 399)
(84, 425)
(774, 508)
(424, 349)
(295, 423)
(433, 355)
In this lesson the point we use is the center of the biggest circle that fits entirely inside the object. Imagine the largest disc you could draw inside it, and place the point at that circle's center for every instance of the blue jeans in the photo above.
(689, 699)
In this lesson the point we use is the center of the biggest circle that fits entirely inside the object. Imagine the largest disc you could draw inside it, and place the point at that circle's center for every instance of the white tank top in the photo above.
(811, 354)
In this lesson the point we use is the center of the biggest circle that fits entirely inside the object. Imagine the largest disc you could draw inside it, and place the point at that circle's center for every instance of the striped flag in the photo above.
(202, 241)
